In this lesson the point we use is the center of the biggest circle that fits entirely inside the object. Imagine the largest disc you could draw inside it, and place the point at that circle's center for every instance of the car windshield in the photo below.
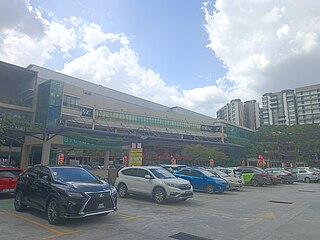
(221, 174)
(65, 174)
(9, 174)
(208, 174)
(161, 173)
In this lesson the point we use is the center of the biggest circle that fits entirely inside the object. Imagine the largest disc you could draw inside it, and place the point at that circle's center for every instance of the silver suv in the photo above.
(155, 182)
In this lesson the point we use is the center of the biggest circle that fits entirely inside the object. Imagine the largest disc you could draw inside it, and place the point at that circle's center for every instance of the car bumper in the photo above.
(178, 194)
(67, 215)
(7, 190)
(234, 186)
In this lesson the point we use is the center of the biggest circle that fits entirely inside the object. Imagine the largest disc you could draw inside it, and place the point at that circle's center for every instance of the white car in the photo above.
(155, 182)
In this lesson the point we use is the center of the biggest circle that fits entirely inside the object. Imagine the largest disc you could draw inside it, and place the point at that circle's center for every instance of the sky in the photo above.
(194, 54)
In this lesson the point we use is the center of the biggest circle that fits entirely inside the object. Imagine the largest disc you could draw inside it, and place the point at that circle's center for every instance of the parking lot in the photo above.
(270, 212)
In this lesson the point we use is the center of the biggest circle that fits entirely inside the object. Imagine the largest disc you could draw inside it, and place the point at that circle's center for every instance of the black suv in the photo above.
(64, 192)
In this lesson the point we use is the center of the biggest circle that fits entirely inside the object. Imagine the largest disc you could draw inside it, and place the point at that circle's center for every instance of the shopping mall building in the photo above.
(86, 123)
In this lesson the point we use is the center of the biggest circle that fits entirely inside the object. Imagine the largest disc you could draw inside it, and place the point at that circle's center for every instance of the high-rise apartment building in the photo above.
(308, 104)
(243, 114)
(251, 114)
(279, 108)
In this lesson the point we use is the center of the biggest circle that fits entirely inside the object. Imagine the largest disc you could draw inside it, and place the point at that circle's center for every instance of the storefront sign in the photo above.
(135, 157)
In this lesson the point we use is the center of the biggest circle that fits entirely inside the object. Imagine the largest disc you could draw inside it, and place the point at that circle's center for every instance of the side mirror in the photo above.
(45, 179)
(148, 177)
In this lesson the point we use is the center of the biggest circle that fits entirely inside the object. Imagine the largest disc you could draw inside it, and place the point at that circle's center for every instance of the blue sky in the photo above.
(169, 36)
(189, 53)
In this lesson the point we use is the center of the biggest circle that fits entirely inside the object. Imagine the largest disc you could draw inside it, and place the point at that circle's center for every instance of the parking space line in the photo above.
(38, 224)
(57, 232)
(127, 217)
(61, 234)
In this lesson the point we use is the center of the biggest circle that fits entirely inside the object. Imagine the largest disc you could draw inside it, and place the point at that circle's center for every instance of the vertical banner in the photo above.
(173, 161)
(211, 162)
(60, 159)
(135, 157)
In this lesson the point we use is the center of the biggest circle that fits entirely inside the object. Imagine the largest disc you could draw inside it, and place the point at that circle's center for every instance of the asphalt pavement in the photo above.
(269, 213)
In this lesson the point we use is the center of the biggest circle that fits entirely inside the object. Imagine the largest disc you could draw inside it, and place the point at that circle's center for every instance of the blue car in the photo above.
(203, 180)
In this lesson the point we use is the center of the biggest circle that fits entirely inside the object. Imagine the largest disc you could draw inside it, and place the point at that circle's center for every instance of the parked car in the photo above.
(203, 180)
(235, 183)
(173, 167)
(284, 175)
(64, 192)
(254, 176)
(8, 179)
(305, 174)
(152, 181)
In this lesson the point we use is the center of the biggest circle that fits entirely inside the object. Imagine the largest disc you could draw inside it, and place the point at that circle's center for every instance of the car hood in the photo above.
(176, 181)
(96, 186)
(232, 179)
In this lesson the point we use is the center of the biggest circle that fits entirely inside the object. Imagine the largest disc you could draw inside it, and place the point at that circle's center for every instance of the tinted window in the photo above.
(7, 174)
(130, 172)
(185, 172)
(142, 173)
(302, 171)
(195, 173)
(66, 174)
(42, 172)
(247, 170)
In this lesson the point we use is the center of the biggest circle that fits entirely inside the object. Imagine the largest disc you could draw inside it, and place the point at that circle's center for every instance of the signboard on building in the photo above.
(136, 157)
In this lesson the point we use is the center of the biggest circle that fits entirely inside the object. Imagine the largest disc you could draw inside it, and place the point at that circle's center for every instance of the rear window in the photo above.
(9, 174)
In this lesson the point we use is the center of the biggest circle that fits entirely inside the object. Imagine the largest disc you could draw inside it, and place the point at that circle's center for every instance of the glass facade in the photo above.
(49, 103)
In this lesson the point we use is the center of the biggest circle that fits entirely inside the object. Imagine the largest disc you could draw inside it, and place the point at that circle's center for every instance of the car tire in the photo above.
(210, 189)
(18, 202)
(53, 212)
(307, 180)
(159, 195)
(122, 190)
(255, 183)
(283, 181)
(290, 182)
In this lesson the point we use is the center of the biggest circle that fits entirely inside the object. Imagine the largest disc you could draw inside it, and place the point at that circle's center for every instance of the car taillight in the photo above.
(289, 174)
(314, 174)
(262, 174)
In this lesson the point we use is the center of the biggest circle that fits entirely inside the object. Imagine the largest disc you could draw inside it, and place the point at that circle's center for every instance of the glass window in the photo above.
(195, 173)
(142, 173)
(162, 173)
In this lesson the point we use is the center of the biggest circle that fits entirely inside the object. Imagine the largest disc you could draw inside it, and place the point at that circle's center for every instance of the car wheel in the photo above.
(122, 190)
(18, 202)
(159, 195)
(255, 182)
(290, 182)
(283, 181)
(53, 212)
(307, 180)
(210, 188)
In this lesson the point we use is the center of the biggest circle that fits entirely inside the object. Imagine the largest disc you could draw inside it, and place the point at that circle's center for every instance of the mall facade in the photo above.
(86, 123)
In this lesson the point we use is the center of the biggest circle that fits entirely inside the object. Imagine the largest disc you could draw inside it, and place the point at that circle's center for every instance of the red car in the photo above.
(8, 179)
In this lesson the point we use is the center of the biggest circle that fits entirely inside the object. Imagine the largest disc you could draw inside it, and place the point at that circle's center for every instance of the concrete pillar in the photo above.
(45, 154)
(106, 159)
(25, 156)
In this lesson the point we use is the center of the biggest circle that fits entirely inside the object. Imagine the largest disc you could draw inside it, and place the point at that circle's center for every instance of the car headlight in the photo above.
(113, 190)
(220, 182)
(72, 194)
(172, 184)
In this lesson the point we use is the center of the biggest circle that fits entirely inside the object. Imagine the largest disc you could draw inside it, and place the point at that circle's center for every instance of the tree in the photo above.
(9, 122)
(198, 153)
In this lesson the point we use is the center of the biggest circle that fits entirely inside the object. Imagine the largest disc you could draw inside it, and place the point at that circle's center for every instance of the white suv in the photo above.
(155, 182)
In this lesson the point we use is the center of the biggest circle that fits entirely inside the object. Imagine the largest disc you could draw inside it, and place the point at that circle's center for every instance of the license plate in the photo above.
(188, 192)
(100, 205)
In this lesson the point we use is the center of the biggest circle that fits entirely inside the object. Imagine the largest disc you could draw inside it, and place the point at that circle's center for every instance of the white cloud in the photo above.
(19, 44)
(266, 45)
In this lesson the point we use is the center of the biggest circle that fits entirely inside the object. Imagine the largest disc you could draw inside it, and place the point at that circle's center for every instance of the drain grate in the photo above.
(306, 191)
(272, 201)
(186, 236)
